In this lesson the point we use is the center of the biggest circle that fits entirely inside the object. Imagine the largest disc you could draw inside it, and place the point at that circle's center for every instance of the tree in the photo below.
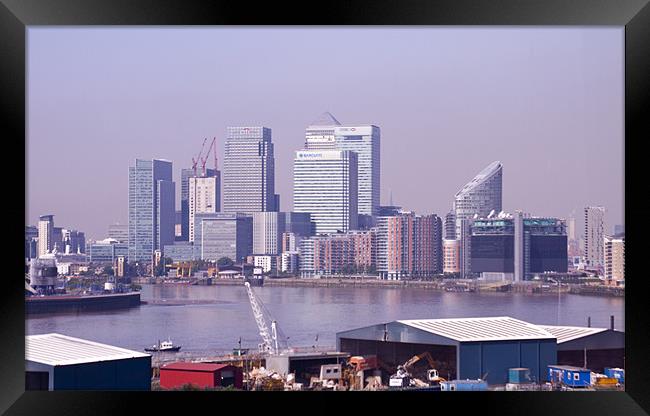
(225, 262)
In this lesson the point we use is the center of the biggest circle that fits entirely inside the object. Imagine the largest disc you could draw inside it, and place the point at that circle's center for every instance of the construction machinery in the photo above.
(198, 158)
(404, 378)
(273, 341)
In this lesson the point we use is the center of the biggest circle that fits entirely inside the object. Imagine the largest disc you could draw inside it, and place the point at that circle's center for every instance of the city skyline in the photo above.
(580, 116)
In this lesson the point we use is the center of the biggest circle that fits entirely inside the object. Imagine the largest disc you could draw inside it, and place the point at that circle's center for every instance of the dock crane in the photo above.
(274, 342)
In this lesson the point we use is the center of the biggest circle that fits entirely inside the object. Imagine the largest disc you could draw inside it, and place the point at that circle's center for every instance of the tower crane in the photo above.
(198, 158)
(274, 342)
(205, 159)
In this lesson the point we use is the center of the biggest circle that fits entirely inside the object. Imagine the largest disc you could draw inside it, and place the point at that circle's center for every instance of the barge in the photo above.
(80, 303)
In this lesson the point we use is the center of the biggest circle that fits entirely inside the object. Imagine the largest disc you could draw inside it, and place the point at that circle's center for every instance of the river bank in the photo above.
(435, 285)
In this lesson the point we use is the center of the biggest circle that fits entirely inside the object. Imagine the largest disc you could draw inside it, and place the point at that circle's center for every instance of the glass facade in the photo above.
(480, 196)
(224, 235)
(365, 141)
(249, 171)
(103, 253)
(151, 208)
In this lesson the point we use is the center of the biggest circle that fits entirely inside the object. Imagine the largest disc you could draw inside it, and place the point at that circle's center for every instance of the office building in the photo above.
(45, 237)
(119, 232)
(325, 185)
(249, 171)
(516, 248)
(267, 232)
(31, 242)
(614, 257)
(73, 241)
(151, 208)
(224, 235)
(178, 226)
(186, 174)
(182, 251)
(327, 133)
(57, 240)
(451, 256)
(106, 251)
(204, 197)
(298, 223)
(481, 196)
(594, 235)
(619, 229)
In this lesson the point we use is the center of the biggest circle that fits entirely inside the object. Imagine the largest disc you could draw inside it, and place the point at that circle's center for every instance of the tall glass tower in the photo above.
(325, 185)
(249, 171)
(365, 141)
(152, 209)
(479, 197)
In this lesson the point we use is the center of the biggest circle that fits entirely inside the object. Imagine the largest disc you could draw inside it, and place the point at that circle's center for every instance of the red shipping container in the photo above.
(203, 375)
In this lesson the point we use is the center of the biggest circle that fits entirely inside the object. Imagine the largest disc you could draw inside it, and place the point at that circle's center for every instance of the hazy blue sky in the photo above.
(547, 102)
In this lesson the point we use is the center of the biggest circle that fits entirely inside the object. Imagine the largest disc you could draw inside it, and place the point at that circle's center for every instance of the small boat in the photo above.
(165, 346)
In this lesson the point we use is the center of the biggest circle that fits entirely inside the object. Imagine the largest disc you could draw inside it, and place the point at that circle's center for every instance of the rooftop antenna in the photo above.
(391, 198)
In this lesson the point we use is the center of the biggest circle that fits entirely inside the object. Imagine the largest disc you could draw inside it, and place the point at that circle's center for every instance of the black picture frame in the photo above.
(634, 15)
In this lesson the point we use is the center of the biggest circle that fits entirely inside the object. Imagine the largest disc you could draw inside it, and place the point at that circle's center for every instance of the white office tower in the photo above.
(267, 232)
(203, 198)
(249, 171)
(325, 185)
(481, 197)
(327, 133)
(45, 237)
(593, 236)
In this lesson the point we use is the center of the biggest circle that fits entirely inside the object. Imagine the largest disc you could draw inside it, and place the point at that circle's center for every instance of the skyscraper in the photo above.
(593, 236)
(45, 231)
(450, 226)
(365, 141)
(480, 197)
(151, 208)
(249, 171)
(614, 258)
(186, 174)
(204, 196)
(325, 185)
(267, 232)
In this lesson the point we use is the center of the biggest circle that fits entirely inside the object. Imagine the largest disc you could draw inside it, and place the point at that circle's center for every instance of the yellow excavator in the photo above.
(404, 378)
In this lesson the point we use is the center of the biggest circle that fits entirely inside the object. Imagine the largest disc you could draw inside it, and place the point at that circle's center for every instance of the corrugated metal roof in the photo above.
(57, 349)
(188, 366)
(569, 333)
(501, 328)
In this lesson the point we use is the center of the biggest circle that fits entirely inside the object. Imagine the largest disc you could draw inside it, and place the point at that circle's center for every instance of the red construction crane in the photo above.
(205, 159)
(196, 161)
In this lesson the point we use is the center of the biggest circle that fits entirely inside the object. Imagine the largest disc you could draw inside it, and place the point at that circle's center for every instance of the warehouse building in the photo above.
(60, 362)
(592, 348)
(467, 348)
(202, 375)
(304, 365)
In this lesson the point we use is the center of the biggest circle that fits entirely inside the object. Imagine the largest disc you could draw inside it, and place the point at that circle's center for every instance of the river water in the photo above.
(211, 319)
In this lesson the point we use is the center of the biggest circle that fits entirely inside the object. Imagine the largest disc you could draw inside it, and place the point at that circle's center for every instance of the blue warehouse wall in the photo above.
(131, 374)
(495, 358)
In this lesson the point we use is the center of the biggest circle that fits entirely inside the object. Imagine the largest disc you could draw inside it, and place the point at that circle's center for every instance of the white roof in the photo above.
(569, 333)
(57, 349)
(480, 329)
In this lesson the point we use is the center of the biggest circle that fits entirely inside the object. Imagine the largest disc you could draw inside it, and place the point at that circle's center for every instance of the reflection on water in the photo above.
(212, 318)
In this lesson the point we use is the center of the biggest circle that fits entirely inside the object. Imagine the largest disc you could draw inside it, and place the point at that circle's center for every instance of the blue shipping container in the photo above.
(569, 376)
(519, 375)
(463, 385)
(617, 373)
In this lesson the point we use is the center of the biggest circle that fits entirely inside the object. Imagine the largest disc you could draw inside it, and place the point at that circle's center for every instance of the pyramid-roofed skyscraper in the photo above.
(327, 132)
